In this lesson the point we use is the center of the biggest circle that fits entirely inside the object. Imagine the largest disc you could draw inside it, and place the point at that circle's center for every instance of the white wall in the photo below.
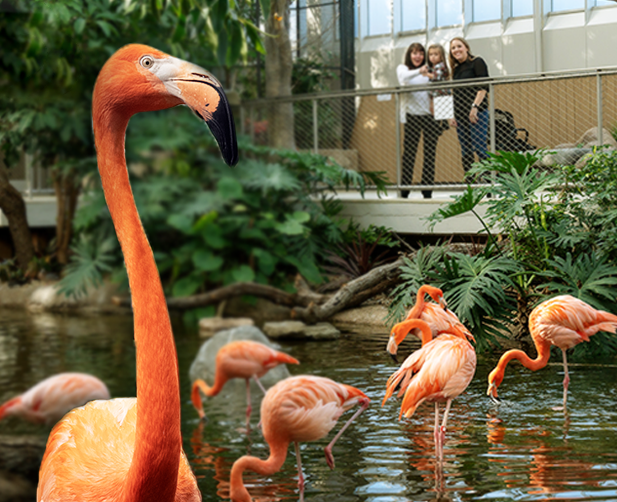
(566, 41)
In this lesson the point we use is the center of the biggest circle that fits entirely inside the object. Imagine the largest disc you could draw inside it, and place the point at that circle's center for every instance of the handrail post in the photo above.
(397, 122)
(491, 117)
(315, 128)
(599, 108)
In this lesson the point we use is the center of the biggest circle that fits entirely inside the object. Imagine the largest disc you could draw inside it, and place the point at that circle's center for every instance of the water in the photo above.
(522, 450)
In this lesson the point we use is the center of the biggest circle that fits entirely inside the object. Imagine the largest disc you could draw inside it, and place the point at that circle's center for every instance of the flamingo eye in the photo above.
(146, 61)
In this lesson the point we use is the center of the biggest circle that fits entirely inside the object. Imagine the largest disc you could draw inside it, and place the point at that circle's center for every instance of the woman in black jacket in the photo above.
(470, 103)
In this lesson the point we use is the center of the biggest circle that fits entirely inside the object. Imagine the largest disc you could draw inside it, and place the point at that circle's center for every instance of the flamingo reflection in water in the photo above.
(213, 462)
(554, 466)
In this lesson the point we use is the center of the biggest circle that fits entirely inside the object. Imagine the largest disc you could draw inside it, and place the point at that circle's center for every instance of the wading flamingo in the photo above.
(297, 409)
(563, 321)
(437, 315)
(50, 399)
(440, 371)
(131, 449)
(241, 359)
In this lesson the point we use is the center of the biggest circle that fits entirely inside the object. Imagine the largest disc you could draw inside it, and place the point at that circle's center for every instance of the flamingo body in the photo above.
(563, 321)
(149, 465)
(240, 359)
(437, 315)
(440, 371)
(50, 399)
(297, 409)
(73, 455)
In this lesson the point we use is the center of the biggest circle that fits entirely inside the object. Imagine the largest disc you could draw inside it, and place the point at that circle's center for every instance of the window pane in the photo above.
(604, 2)
(449, 12)
(486, 10)
(522, 8)
(378, 17)
(413, 15)
(567, 5)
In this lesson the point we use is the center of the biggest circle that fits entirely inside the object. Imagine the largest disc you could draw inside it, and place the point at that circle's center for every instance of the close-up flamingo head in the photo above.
(494, 381)
(437, 295)
(138, 78)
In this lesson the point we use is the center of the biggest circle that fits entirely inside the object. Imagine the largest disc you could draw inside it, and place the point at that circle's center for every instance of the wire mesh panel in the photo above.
(558, 115)
(428, 137)
(304, 131)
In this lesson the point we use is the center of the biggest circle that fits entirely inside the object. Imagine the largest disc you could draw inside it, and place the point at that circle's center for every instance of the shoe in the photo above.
(404, 194)
(427, 194)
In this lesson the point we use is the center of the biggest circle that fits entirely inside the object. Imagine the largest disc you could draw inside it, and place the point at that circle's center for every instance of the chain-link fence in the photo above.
(377, 130)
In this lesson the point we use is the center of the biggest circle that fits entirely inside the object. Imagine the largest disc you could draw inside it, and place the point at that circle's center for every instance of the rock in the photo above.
(321, 331)
(233, 394)
(590, 138)
(368, 320)
(209, 326)
(261, 311)
(564, 157)
(284, 329)
(300, 331)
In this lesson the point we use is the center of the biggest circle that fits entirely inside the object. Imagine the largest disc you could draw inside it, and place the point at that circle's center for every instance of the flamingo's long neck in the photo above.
(544, 352)
(153, 473)
(278, 454)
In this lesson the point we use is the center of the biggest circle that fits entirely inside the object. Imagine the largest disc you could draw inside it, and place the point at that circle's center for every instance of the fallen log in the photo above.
(306, 305)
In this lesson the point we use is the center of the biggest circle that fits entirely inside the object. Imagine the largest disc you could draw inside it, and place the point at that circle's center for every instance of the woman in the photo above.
(416, 114)
(470, 103)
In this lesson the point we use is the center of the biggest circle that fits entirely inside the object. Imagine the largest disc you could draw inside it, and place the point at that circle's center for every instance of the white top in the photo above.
(414, 103)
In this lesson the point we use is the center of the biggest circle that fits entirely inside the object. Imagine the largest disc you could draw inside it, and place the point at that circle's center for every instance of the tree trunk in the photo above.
(14, 208)
(278, 75)
(67, 191)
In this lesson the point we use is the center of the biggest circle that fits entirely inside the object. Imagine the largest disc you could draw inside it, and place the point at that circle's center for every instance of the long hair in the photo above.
(442, 55)
(453, 62)
(413, 48)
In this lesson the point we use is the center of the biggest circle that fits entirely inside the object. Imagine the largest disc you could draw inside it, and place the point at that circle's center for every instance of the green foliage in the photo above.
(355, 256)
(93, 257)
(53, 51)
(264, 220)
(556, 236)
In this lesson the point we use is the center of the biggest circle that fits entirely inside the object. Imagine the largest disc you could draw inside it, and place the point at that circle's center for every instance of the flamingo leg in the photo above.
(436, 431)
(249, 409)
(442, 432)
(259, 384)
(300, 475)
(566, 379)
(328, 449)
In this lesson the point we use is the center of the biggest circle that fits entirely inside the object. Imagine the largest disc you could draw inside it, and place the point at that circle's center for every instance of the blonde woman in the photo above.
(470, 103)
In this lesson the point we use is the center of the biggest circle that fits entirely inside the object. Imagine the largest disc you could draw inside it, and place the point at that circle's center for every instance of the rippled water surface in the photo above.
(522, 450)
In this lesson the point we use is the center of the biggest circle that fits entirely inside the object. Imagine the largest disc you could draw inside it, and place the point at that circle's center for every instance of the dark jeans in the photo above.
(473, 137)
(430, 129)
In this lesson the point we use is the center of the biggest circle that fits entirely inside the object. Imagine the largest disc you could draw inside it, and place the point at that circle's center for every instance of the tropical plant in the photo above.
(549, 232)
(264, 220)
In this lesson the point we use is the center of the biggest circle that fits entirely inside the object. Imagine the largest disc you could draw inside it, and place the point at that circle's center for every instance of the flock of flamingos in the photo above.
(130, 449)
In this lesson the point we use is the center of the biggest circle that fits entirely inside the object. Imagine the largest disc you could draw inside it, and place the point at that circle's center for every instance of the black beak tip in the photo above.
(495, 399)
(394, 358)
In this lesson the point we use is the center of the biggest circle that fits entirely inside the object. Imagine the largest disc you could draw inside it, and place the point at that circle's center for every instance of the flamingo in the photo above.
(436, 315)
(299, 408)
(563, 321)
(241, 359)
(50, 399)
(131, 449)
(440, 371)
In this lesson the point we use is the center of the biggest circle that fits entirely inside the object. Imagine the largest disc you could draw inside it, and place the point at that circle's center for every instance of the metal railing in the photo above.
(563, 112)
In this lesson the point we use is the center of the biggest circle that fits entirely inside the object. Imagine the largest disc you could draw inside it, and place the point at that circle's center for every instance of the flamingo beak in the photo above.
(492, 393)
(442, 303)
(203, 93)
(394, 358)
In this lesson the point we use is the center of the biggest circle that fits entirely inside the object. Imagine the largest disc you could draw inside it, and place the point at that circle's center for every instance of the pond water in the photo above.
(521, 450)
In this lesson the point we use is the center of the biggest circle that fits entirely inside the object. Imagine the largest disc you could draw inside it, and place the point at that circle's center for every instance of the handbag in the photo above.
(443, 107)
